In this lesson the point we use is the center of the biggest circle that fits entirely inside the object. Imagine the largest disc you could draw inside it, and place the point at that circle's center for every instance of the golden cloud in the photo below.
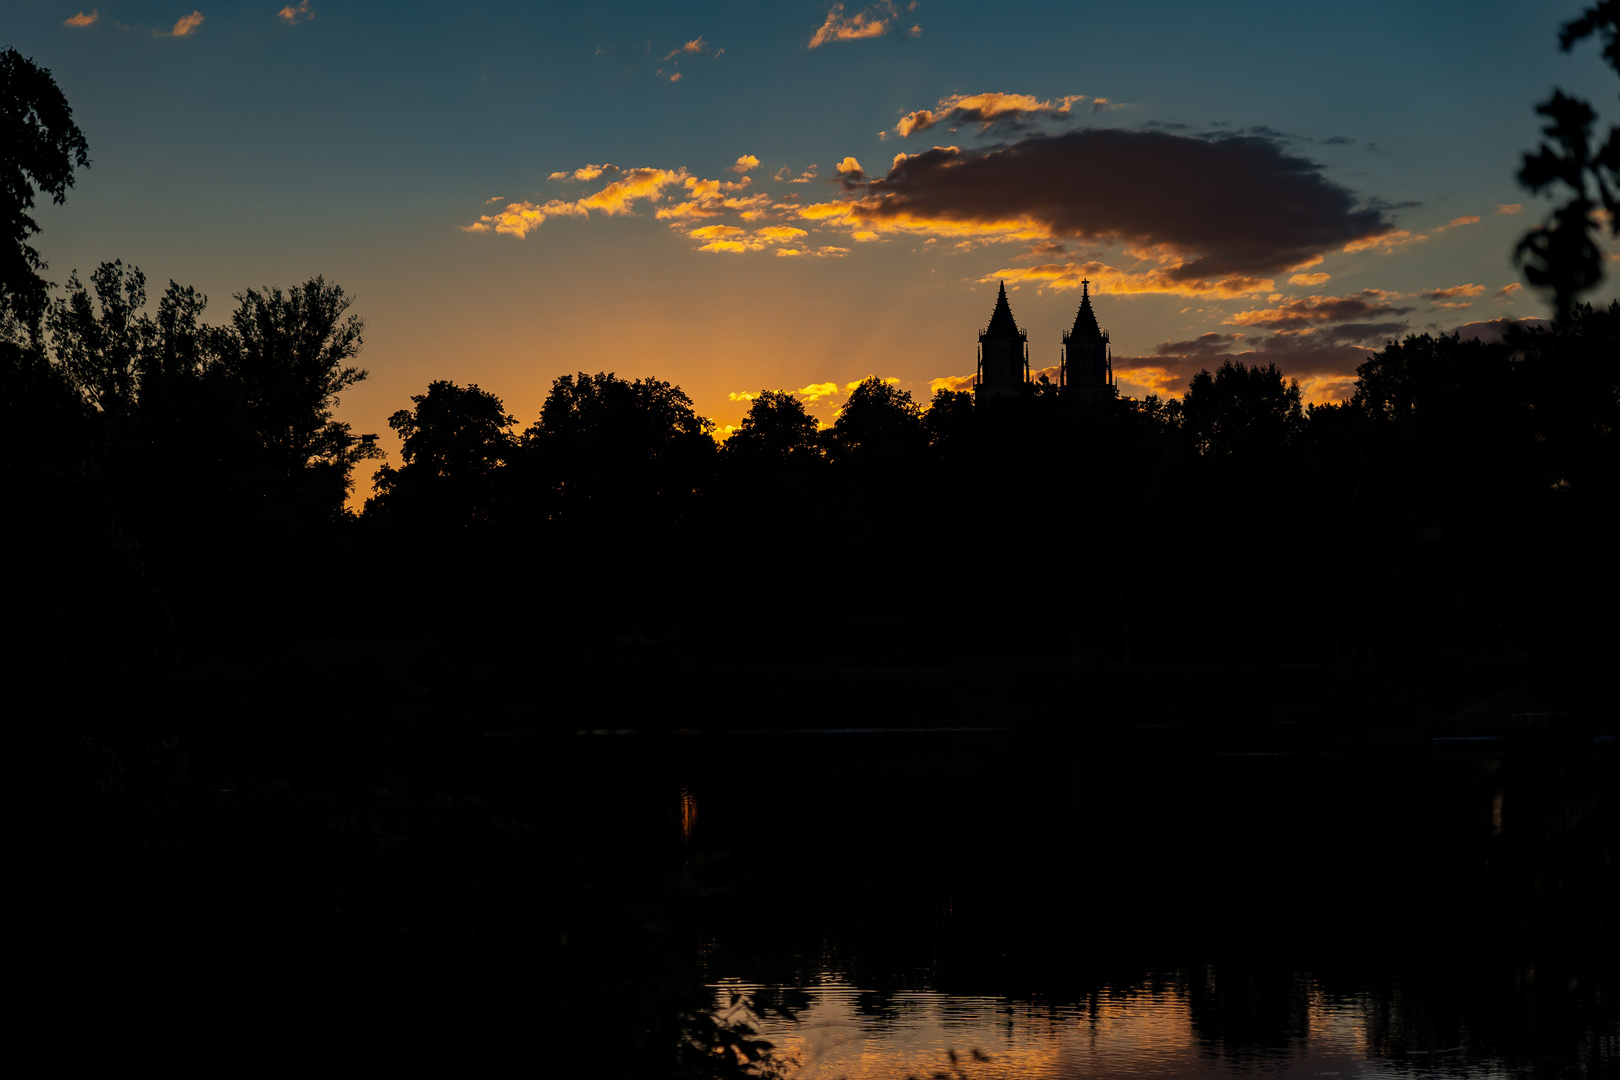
(186, 24)
(1509, 208)
(618, 198)
(1508, 290)
(873, 22)
(714, 232)
(81, 19)
(1472, 219)
(1389, 241)
(696, 45)
(983, 109)
(816, 391)
(292, 16)
(1300, 315)
(1454, 292)
(952, 383)
(743, 164)
(1063, 277)
(588, 172)
(1148, 379)
(1310, 279)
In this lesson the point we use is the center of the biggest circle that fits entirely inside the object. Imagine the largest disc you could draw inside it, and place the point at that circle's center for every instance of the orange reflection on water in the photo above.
(1134, 1032)
(688, 814)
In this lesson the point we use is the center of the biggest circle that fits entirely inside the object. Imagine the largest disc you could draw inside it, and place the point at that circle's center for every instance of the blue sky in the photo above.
(362, 141)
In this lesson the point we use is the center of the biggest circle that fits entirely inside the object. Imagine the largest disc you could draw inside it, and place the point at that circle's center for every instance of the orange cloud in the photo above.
(744, 163)
(715, 232)
(675, 77)
(1300, 315)
(875, 21)
(81, 19)
(1509, 208)
(850, 167)
(735, 239)
(1454, 292)
(589, 172)
(696, 45)
(983, 109)
(1472, 219)
(1063, 277)
(186, 24)
(1310, 279)
(1508, 290)
(951, 382)
(292, 16)
(618, 198)
(1389, 241)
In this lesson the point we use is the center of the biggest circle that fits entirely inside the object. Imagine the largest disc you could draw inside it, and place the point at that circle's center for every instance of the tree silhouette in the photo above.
(1563, 256)
(1242, 411)
(456, 440)
(607, 442)
(949, 416)
(289, 353)
(776, 429)
(104, 351)
(879, 422)
(40, 146)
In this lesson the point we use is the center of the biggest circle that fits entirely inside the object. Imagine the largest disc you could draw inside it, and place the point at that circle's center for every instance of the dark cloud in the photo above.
(1231, 205)
(1333, 353)
(1317, 310)
(1370, 333)
(1337, 140)
(1202, 345)
(1492, 330)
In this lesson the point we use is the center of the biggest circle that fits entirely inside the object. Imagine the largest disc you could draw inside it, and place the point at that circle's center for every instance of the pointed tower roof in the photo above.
(1002, 324)
(1085, 320)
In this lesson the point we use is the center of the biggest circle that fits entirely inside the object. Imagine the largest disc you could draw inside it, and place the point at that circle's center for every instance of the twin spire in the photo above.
(1003, 325)
(1085, 365)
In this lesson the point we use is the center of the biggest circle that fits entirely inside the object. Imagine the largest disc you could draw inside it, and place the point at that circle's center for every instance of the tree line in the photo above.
(191, 478)
(173, 478)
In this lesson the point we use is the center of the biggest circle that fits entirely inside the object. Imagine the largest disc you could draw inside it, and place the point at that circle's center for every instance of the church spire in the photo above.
(1085, 320)
(1002, 324)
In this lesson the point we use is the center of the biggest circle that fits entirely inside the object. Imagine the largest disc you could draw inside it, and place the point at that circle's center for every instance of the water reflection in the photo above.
(1148, 1031)
(1148, 906)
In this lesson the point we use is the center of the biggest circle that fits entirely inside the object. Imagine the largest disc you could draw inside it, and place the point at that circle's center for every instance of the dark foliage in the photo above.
(40, 146)
(1563, 256)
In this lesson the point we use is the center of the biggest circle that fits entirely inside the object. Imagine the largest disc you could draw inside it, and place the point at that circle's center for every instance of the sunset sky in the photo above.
(794, 195)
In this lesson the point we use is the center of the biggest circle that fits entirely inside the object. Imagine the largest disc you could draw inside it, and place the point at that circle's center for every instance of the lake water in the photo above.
(1154, 904)
(1143, 1031)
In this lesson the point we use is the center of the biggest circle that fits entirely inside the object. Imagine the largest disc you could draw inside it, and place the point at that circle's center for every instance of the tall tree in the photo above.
(290, 354)
(40, 146)
(103, 351)
(777, 428)
(1243, 411)
(878, 422)
(1563, 255)
(456, 440)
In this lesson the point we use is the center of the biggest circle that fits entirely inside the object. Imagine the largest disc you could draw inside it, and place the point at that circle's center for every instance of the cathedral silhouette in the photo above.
(1085, 365)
